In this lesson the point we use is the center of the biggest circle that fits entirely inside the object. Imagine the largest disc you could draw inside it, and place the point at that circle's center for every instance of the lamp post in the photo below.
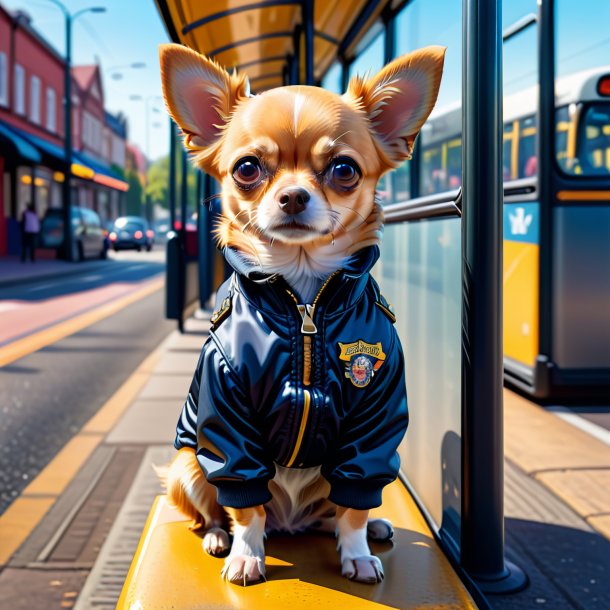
(116, 75)
(69, 18)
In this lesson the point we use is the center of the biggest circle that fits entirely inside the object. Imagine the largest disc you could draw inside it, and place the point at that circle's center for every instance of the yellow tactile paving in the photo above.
(586, 491)
(170, 570)
(64, 466)
(18, 521)
(52, 481)
(536, 440)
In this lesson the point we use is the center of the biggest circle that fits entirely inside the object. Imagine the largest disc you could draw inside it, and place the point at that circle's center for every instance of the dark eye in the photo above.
(344, 173)
(247, 172)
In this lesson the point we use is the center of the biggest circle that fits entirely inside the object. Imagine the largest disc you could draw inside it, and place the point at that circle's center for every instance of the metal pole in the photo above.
(482, 526)
(295, 76)
(545, 150)
(66, 190)
(183, 195)
(307, 15)
(171, 195)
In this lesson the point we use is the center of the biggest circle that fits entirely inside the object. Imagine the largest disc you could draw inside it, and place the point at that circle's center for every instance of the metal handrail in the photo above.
(431, 206)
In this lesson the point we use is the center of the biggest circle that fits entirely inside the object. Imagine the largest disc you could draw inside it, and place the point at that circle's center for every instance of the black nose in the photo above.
(293, 200)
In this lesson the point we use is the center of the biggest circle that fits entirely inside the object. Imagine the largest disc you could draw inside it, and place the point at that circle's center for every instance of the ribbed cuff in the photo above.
(242, 494)
(354, 493)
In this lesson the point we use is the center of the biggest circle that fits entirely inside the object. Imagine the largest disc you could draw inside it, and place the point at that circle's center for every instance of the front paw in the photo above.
(367, 569)
(244, 569)
(216, 542)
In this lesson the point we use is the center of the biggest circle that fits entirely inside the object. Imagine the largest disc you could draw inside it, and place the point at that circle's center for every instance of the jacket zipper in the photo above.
(308, 328)
(304, 418)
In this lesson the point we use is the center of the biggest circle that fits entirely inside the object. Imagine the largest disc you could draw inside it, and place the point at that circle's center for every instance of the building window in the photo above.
(51, 110)
(19, 89)
(35, 100)
(3, 80)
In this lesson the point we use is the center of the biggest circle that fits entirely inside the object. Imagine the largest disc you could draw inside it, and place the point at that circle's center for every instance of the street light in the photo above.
(136, 65)
(70, 18)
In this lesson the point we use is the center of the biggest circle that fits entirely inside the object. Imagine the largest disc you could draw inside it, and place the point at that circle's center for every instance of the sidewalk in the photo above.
(91, 503)
(13, 271)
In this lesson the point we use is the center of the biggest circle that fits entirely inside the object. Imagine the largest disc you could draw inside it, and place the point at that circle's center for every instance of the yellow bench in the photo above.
(170, 569)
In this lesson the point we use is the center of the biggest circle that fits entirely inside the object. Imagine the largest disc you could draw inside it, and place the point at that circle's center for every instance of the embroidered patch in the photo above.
(362, 360)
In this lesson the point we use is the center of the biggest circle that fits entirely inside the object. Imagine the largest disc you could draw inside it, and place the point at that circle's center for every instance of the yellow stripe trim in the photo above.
(583, 195)
(27, 511)
(304, 419)
(32, 343)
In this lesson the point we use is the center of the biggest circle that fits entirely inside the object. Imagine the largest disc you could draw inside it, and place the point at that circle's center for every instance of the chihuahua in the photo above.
(298, 403)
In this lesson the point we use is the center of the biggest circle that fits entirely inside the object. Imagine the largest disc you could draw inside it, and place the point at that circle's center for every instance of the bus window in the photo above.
(582, 49)
(508, 169)
(565, 156)
(454, 164)
(528, 164)
(593, 150)
(433, 176)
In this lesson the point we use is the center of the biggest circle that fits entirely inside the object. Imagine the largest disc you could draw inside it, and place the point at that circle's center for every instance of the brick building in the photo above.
(32, 158)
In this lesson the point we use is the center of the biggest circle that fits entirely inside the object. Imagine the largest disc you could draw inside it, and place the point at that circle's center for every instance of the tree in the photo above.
(158, 182)
(135, 193)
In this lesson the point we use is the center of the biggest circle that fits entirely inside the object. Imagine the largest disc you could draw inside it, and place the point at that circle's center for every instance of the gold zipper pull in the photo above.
(308, 327)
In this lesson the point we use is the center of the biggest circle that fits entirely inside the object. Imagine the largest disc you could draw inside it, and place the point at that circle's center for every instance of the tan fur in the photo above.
(295, 135)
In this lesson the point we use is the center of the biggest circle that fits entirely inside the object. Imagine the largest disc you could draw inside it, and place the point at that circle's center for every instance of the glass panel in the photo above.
(419, 24)
(332, 78)
(420, 274)
(370, 60)
(514, 10)
(582, 52)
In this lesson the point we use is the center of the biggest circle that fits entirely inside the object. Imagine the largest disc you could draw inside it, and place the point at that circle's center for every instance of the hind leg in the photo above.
(189, 491)
(379, 530)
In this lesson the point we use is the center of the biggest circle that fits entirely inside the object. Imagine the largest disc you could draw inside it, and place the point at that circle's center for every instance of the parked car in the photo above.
(88, 240)
(131, 232)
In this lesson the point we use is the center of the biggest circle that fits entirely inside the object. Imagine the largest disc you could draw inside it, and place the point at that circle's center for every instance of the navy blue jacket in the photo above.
(279, 382)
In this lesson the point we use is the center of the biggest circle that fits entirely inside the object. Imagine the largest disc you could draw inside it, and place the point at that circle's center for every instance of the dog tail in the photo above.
(185, 485)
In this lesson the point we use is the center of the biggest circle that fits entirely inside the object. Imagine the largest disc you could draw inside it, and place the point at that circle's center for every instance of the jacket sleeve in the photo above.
(218, 422)
(366, 459)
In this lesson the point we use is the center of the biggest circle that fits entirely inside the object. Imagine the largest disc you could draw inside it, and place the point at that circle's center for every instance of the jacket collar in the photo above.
(262, 288)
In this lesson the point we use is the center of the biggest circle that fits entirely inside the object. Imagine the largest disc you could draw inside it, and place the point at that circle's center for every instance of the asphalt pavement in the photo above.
(46, 396)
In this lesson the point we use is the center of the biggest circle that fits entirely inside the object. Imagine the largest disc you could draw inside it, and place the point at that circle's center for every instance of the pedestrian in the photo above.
(30, 226)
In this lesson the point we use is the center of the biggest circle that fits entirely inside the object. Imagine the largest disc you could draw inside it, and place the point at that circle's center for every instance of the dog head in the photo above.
(298, 165)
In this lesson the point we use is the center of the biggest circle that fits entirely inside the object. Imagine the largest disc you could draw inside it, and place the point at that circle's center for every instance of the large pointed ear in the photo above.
(399, 99)
(200, 96)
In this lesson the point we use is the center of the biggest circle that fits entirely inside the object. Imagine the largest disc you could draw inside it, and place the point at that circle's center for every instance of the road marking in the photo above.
(136, 267)
(28, 510)
(44, 286)
(596, 431)
(92, 278)
(36, 341)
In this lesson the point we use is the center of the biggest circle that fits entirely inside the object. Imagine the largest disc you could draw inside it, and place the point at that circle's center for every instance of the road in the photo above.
(46, 396)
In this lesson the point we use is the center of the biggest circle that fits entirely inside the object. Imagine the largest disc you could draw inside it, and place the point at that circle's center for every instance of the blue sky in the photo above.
(128, 32)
